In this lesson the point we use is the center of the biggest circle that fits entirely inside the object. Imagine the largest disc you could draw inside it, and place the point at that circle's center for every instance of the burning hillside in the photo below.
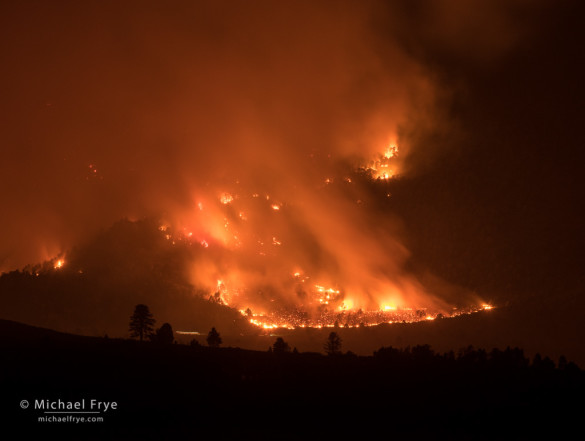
(324, 253)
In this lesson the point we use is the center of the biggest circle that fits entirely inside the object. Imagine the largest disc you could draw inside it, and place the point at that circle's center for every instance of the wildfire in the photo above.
(258, 256)
(380, 166)
(59, 264)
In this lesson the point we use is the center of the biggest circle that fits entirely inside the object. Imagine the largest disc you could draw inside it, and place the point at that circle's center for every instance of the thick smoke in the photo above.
(239, 123)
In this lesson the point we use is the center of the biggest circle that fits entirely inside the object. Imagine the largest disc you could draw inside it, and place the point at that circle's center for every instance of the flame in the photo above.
(349, 317)
(391, 151)
(380, 166)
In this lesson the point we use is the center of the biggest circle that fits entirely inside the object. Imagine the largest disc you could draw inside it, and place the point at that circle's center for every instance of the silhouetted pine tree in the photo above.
(280, 346)
(213, 338)
(141, 322)
(333, 344)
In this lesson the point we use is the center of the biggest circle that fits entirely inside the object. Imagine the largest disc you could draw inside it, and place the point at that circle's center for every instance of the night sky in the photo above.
(116, 110)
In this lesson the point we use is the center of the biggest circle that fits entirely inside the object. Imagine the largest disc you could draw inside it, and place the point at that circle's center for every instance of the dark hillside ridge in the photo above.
(166, 391)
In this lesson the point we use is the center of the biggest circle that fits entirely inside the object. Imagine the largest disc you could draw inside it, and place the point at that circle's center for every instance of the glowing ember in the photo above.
(226, 198)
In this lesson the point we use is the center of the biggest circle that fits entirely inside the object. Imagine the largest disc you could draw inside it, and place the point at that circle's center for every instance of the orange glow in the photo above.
(270, 178)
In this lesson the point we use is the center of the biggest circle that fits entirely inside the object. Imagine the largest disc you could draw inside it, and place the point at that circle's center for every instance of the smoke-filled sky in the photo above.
(133, 109)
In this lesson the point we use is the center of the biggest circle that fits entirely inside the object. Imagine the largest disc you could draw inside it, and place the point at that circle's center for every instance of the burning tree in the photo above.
(213, 338)
(141, 322)
(333, 344)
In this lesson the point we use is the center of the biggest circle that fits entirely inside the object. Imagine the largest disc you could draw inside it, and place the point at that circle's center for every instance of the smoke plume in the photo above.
(243, 126)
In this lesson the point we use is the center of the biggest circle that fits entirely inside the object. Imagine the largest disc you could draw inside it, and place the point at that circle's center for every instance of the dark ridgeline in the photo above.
(172, 391)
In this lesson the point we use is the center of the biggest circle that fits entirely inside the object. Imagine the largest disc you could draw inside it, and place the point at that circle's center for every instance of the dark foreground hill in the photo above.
(185, 392)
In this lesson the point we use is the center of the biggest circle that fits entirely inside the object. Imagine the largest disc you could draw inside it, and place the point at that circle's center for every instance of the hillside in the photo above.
(96, 290)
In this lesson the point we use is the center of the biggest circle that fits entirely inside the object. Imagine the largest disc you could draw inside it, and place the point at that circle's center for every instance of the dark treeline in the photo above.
(169, 391)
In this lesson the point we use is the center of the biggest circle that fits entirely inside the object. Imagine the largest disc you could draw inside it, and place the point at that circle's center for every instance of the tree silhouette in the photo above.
(164, 334)
(195, 344)
(213, 338)
(333, 344)
(141, 322)
(280, 346)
